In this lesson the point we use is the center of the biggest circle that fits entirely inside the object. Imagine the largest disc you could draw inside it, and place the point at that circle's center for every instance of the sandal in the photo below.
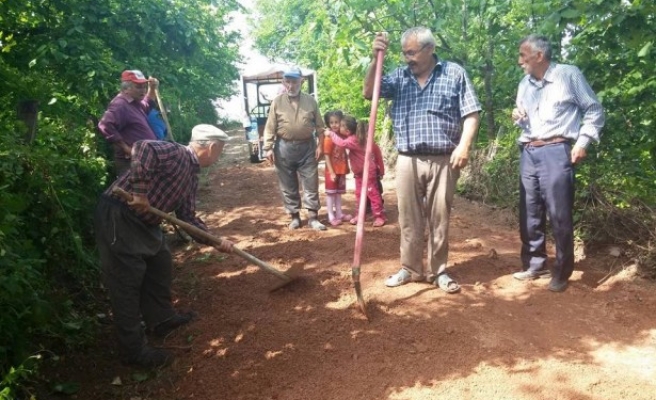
(446, 283)
(401, 278)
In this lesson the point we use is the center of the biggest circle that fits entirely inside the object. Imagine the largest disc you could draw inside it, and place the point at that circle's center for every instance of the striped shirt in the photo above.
(167, 173)
(428, 120)
(561, 105)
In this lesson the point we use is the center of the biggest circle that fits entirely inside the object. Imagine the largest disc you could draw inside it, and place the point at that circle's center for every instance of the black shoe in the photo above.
(529, 275)
(151, 358)
(557, 286)
(165, 328)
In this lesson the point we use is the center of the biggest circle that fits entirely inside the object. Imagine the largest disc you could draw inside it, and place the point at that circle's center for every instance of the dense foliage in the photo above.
(609, 41)
(63, 58)
(60, 66)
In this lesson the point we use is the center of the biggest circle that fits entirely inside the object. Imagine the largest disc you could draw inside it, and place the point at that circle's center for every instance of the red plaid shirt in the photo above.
(167, 173)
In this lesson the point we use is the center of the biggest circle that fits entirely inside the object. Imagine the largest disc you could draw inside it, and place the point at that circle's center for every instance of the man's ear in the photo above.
(217, 145)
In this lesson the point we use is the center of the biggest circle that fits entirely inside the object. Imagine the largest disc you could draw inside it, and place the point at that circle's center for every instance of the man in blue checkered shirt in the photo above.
(435, 114)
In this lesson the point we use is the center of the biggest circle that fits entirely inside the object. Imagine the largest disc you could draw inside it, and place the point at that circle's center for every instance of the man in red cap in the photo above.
(125, 120)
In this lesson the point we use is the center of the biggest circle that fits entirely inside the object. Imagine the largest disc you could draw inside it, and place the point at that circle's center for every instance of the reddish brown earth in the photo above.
(497, 339)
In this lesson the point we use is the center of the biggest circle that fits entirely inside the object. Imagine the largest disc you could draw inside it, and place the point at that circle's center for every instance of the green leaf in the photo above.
(645, 49)
(570, 13)
(66, 388)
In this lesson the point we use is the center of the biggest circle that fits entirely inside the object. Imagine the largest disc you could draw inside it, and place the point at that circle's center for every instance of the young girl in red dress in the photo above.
(354, 138)
(335, 171)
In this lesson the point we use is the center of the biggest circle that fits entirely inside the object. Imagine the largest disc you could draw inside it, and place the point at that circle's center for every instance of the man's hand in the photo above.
(270, 157)
(225, 246)
(153, 83)
(380, 43)
(519, 114)
(578, 154)
(139, 204)
(318, 153)
(124, 148)
(459, 157)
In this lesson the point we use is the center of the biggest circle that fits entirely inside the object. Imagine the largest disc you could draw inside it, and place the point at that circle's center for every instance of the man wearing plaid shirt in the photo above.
(136, 261)
(435, 114)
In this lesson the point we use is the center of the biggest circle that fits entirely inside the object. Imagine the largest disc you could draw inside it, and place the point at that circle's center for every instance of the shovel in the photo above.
(359, 233)
(283, 276)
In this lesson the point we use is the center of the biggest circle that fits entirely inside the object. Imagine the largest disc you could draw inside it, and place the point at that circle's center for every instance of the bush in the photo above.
(47, 266)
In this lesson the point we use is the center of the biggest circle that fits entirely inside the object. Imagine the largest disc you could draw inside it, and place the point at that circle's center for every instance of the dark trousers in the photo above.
(296, 164)
(136, 265)
(547, 188)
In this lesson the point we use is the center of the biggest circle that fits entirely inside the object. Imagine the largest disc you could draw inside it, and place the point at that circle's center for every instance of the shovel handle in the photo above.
(196, 231)
(162, 109)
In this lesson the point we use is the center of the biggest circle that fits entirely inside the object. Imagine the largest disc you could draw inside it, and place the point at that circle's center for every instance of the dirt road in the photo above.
(498, 339)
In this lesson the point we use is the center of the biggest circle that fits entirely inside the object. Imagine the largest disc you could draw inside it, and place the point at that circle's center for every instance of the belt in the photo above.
(540, 143)
(296, 141)
(425, 154)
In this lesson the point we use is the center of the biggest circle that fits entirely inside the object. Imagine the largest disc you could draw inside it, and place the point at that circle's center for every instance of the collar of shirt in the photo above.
(437, 69)
(547, 78)
(127, 98)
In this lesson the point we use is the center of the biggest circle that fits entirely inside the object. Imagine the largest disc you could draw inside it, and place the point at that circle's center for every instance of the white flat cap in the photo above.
(208, 132)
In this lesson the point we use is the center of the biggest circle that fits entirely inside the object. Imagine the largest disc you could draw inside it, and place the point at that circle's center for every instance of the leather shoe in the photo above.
(149, 357)
(557, 286)
(529, 275)
(163, 329)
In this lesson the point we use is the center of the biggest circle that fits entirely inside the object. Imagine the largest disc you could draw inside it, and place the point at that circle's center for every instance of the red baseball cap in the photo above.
(133, 75)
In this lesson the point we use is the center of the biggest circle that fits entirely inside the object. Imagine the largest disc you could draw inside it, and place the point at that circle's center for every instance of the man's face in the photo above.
(531, 61)
(137, 90)
(418, 57)
(293, 86)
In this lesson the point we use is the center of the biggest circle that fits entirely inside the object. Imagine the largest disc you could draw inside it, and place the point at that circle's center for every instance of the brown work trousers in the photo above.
(425, 186)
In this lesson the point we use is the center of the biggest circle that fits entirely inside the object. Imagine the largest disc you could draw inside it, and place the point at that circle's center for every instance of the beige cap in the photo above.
(208, 132)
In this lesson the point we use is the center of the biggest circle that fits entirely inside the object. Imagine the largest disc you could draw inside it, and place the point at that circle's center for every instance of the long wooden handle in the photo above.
(162, 109)
(194, 230)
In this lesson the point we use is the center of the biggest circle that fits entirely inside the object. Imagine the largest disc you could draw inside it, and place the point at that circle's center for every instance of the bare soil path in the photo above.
(498, 339)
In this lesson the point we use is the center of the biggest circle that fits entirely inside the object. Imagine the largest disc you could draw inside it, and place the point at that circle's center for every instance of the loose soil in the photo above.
(497, 339)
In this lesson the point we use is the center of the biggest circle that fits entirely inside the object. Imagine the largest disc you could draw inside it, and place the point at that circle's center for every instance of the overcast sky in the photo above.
(233, 108)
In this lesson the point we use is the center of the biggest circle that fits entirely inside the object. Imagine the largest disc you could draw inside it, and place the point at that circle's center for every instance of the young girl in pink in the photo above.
(354, 138)
(335, 171)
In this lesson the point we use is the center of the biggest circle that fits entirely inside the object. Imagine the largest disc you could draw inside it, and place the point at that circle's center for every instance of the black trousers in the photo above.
(547, 189)
(137, 271)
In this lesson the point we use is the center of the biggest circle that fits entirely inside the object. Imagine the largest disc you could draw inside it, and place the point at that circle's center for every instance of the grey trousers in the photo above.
(295, 161)
(430, 178)
(136, 264)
